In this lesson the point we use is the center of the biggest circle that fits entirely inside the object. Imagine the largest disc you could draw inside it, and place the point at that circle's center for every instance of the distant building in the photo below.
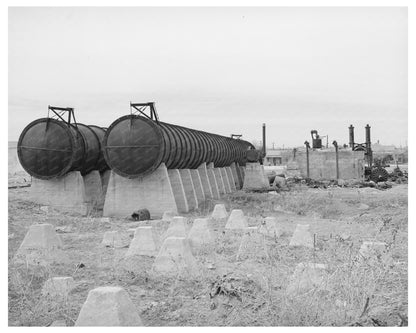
(278, 156)
(389, 153)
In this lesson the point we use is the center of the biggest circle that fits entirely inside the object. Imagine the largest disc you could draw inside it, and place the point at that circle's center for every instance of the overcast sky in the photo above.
(222, 70)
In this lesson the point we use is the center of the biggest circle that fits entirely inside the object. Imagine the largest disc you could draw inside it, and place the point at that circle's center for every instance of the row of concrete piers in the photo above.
(175, 190)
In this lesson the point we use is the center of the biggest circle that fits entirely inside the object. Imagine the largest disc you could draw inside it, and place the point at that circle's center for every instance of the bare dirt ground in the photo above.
(232, 292)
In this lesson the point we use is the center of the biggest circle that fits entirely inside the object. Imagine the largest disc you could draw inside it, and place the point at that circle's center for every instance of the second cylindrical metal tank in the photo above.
(135, 146)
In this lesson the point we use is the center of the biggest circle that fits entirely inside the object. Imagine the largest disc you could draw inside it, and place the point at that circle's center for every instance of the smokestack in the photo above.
(264, 139)
(351, 128)
(368, 136)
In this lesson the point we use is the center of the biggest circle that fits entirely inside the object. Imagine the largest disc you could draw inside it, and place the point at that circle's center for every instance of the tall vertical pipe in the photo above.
(264, 139)
(351, 128)
(307, 158)
(369, 152)
(368, 136)
(336, 157)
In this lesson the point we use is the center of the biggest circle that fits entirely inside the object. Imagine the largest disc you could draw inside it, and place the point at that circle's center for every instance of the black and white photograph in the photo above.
(207, 166)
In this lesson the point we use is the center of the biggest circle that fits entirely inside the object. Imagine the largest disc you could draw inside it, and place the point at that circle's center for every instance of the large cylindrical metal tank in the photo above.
(100, 132)
(50, 148)
(135, 146)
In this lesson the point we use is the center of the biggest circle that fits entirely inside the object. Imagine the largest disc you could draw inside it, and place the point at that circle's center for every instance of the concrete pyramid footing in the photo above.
(175, 258)
(270, 228)
(200, 235)
(199, 191)
(308, 276)
(237, 220)
(252, 246)
(144, 243)
(152, 192)
(178, 191)
(58, 288)
(255, 177)
(65, 194)
(219, 212)
(41, 246)
(177, 228)
(188, 186)
(168, 216)
(302, 236)
(113, 239)
(220, 181)
(205, 180)
(108, 306)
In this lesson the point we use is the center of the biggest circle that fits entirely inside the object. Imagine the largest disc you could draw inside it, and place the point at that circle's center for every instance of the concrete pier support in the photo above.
(226, 181)
(93, 190)
(255, 178)
(105, 178)
(178, 190)
(199, 191)
(153, 192)
(188, 186)
(213, 182)
(243, 173)
(66, 193)
(231, 179)
(238, 179)
(220, 182)
(206, 184)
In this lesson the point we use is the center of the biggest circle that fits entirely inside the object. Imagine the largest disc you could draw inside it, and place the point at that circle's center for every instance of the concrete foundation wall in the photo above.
(322, 164)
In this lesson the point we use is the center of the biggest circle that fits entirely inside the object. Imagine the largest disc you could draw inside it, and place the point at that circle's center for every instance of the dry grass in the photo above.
(232, 292)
